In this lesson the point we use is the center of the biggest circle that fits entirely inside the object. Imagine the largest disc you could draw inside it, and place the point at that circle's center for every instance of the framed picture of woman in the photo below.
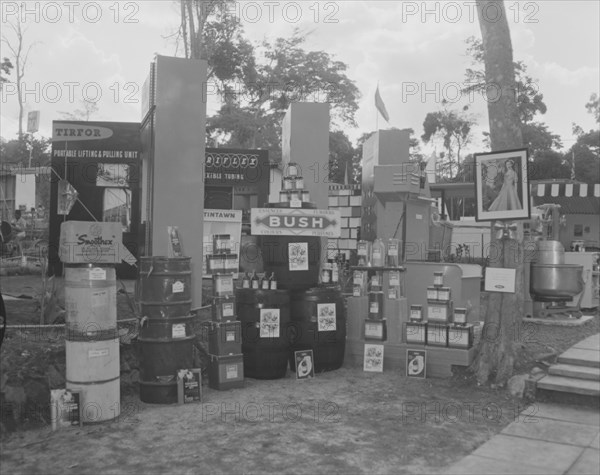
(502, 185)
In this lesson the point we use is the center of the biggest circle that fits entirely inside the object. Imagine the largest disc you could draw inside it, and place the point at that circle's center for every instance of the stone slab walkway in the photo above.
(546, 439)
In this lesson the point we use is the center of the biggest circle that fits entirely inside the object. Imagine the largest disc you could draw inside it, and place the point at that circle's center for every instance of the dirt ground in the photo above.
(344, 421)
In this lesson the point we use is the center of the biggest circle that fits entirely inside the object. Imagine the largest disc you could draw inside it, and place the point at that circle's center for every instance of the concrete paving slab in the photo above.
(590, 343)
(581, 357)
(596, 443)
(570, 385)
(474, 465)
(553, 431)
(575, 371)
(579, 415)
(536, 453)
(588, 463)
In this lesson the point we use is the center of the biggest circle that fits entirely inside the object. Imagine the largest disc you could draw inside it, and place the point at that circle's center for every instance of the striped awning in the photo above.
(565, 190)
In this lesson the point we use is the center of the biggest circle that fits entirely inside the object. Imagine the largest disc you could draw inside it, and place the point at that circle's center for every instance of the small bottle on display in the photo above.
(265, 283)
(246, 281)
(326, 273)
(254, 280)
(335, 273)
(378, 253)
(273, 282)
(393, 252)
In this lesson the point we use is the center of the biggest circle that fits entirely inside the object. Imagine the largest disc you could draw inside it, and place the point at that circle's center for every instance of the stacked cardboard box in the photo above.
(223, 336)
(346, 199)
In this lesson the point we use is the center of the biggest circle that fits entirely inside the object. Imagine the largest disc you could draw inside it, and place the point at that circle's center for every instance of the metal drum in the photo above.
(265, 317)
(318, 323)
(165, 344)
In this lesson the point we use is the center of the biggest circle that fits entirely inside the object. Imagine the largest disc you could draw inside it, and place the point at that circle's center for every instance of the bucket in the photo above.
(318, 323)
(165, 286)
(93, 369)
(265, 317)
(90, 299)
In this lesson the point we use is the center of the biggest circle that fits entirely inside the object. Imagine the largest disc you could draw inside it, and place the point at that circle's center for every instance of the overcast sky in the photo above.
(416, 51)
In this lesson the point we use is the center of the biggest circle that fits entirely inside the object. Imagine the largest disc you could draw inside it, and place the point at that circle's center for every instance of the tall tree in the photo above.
(285, 73)
(20, 54)
(530, 101)
(584, 155)
(497, 350)
(87, 110)
(5, 67)
(455, 130)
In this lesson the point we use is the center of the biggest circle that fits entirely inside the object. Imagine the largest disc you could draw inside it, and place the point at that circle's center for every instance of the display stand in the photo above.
(440, 359)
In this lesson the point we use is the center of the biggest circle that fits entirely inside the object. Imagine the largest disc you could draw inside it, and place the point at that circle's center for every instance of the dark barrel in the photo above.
(164, 286)
(166, 338)
(318, 323)
(265, 342)
(295, 260)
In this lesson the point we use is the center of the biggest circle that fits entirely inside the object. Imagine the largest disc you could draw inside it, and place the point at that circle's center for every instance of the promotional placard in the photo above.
(373, 358)
(416, 363)
(295, 222)
(298, 255)
(304, 364)
(498, 279)
(326, 317)
(65, 408)
(189, 385)
(269, 323)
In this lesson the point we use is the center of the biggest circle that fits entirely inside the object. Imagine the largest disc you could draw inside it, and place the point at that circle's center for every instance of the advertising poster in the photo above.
(373, 358)
(304, 364)
(416, 362)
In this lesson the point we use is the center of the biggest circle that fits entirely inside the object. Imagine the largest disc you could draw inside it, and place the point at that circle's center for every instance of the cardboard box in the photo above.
(189, 385)
(415, 333)
(223, 338)
(460, 336)
(375, 330)
(91, 242)
(223, 309)
(437, 334)
(226, 372)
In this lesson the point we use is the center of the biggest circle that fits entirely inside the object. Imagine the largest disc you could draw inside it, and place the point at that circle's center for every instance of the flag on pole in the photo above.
(381, 106)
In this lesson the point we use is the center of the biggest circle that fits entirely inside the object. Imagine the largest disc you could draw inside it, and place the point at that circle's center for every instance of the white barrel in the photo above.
(93, 368)
(91, 299)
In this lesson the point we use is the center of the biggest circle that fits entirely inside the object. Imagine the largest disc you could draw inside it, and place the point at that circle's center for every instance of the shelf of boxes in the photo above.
(348, 201)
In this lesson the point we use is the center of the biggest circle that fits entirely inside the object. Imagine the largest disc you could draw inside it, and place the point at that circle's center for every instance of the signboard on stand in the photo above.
(219, 222)
(295, 222)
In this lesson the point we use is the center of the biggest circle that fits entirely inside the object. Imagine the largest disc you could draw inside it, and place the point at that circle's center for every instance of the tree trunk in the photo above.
(498, 346)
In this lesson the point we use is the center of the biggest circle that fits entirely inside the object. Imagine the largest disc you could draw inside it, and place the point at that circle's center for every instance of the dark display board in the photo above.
(100, 160)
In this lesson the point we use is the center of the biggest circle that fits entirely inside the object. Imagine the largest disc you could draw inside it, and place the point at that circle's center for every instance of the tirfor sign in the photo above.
(295, 222)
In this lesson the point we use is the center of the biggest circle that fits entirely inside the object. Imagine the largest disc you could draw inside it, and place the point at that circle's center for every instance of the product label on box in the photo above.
(178, 330)
(374, 330)
(178, 287)
(394, 279)
(392, 250)
(228, 310)
(224, 284)
(98, 353)
(326, 318)
(99, 298)
(392, 293)
(437, 312)
(358, 277)
(296, 203)
(269, 323)
(230, 335)
(415, 314)
(190, 385)
(356, 291)
(362, 249)
(432, 294)
(97, 273)
(374, 308)
(231, 371)
(458, 337)
(375, 280)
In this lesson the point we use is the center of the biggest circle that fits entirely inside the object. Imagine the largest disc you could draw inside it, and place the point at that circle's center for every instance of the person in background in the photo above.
(19, 224)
